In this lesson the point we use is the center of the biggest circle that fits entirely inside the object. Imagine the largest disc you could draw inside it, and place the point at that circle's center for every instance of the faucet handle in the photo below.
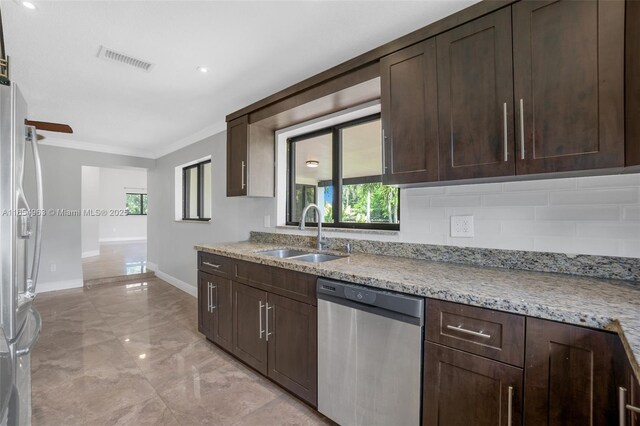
(348, 248)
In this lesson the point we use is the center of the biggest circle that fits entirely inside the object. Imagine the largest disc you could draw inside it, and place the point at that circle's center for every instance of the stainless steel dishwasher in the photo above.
(369, 355)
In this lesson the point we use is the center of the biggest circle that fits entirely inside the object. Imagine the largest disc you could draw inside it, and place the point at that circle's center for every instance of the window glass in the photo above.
(364, 198)
(136, 204)
(313, 176)
(356, 148)
(196, 191)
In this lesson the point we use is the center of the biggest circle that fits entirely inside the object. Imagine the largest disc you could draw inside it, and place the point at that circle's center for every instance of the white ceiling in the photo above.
(252, 49)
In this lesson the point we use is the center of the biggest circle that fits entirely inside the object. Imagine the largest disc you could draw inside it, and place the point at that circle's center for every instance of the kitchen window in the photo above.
(196, 191)
(339, 168)
(136, 204)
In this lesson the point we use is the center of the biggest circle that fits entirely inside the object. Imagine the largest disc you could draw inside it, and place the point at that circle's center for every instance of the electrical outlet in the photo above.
(462, 226)
(53, 267)
(267, 221)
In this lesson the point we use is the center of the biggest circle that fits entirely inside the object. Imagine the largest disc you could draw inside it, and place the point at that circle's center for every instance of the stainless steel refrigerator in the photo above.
(20, 238)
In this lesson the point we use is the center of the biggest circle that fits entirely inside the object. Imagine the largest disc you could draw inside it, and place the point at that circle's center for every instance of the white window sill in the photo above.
(342, 230)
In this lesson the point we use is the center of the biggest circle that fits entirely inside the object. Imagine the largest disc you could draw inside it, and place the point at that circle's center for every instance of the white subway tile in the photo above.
(630, 248)
(456, 201)
(515, 199)
(483, 188)
(596, 246)
(577, 213)
(631, 213)
(439, 227)
(618, 231)
(609, 181)
(499, 213)
(531, 228)
(416, 192)
(540, 185)
(611, 196)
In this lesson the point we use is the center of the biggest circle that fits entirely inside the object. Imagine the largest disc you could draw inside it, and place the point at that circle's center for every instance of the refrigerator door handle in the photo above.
(33, 278)
(26, 350)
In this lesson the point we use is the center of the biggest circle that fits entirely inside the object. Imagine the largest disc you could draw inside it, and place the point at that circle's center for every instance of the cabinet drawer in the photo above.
(214, 264)
(485, 332)
(254, 274)
(295, 285)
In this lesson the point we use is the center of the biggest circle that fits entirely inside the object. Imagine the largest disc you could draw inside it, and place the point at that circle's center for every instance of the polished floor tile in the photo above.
(130, 354)
(116, 259)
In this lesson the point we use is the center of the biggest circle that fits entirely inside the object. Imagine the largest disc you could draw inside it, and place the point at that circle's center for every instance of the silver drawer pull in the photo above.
(471, 332)
(213, 265)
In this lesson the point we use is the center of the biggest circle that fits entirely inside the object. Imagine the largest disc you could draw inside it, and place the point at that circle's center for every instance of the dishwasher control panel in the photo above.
(360, 295)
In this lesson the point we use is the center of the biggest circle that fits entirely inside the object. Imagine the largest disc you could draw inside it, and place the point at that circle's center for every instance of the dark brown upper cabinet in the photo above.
(237, 143)
(569, 84)
(572, 375)
(250, 159)
(410, 114)
(475, 99)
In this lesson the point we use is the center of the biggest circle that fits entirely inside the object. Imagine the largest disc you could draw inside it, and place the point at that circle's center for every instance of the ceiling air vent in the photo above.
(121, 58)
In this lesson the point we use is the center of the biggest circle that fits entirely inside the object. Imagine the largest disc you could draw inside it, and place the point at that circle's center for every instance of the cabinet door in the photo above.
(204, 304)
(475, 99)
(237, 143)
(222, 312)
(292, 337)
(461, 389)
(249, 343)
(569, 84)
(410, 114)
(569, 375)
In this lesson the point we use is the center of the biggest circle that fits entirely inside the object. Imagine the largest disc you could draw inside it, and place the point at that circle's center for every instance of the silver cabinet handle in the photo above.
(243, 169)
(213, 305)
(384, 154)
(213, 265)
(521, 129)
(267, 318)
(506, 130)
(208, 296)
(623, 406)
(510, 406)
(471, 332)
(261, 331)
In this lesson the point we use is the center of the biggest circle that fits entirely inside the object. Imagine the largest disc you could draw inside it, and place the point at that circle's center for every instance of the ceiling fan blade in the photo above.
(50, 127)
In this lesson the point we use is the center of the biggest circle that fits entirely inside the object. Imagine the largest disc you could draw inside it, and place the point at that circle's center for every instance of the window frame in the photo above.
(141, 197)
(336, 178)
(199, 166)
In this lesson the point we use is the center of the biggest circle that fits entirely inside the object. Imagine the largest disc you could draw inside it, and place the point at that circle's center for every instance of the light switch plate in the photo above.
(462, 226)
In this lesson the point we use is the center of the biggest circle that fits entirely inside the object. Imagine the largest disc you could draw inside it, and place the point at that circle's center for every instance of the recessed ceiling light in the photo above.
(28, 5)
(312, 163)
(203, 70)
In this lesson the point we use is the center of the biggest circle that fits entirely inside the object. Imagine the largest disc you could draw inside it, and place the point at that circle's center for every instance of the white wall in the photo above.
(90, 191)
(114, 184)
(61, 236)
(170, 242)
(597, 215)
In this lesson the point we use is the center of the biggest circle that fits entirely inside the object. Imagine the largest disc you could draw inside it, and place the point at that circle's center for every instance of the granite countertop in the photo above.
(600, 303)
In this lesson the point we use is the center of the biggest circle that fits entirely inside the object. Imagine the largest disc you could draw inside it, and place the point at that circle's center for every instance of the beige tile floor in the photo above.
(115, 260)
(130, 354)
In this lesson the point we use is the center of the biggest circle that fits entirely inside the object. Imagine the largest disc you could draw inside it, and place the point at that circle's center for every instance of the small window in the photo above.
(340, 170)
(136, 204)
(196, 191)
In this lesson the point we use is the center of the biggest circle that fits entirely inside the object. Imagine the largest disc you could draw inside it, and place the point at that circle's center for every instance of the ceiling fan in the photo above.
(49, 127)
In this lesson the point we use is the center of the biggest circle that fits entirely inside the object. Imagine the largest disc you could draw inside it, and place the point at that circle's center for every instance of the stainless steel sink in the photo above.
(317, 257)
(283, 253)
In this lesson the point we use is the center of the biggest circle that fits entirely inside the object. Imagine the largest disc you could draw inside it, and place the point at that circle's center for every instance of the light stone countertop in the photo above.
(599, 303)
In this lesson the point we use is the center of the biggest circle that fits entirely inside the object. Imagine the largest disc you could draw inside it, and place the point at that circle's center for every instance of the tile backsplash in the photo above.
(597, 215)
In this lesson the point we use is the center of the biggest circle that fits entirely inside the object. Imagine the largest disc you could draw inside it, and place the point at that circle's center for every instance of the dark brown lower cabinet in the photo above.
(572, 375)
(292, 343)
(249, 344)
(215, 309)
(461, 389)
(277, 336)
(204, 303)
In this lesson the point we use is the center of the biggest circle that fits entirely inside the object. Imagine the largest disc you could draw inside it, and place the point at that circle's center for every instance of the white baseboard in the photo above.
(181, 285)
(122, 240)
(151, 266)
(90, 253)
(59, 285)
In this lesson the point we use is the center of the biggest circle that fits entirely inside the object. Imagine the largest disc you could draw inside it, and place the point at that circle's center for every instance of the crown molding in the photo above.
(193, 138)
(96, 147)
